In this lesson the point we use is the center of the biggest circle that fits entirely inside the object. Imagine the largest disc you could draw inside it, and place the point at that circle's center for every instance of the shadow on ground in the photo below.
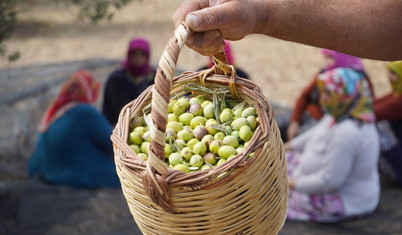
(32, 207)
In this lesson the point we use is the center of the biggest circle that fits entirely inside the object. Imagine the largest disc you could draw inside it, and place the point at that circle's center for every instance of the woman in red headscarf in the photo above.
(308, 99)
(130, 80)
(73, 146)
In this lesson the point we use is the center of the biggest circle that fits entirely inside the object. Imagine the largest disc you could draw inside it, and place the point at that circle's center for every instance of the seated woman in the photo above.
(74, 146)
(130, 80)
(307, 102)
(388, 111)
(332, 168)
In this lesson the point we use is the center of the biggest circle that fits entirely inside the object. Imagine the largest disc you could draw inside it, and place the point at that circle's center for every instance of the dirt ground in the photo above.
(50, 32)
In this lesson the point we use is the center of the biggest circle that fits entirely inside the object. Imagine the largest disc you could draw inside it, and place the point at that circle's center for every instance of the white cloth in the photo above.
(340, 159)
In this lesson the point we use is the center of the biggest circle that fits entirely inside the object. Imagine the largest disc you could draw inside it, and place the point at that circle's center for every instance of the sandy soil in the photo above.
(49, 33)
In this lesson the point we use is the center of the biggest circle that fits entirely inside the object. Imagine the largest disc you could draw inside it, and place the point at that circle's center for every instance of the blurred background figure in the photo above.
(231, 61)
(308, 99)
(332, 168)
(388, 111)
(128, 82)
(73, 146)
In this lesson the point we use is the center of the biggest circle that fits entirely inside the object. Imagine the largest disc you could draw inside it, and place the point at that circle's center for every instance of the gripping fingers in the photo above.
(206, 43)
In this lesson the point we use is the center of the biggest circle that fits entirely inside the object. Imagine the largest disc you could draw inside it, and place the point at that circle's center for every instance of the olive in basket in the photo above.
(201, 132)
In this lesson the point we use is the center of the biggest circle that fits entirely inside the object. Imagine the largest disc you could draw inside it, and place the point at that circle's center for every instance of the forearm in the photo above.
(363, 28)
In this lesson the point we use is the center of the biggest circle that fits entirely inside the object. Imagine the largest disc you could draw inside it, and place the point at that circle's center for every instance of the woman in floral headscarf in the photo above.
(308, 99)
(130, 80)
(388, 111)
(332, 168)
(73, 146)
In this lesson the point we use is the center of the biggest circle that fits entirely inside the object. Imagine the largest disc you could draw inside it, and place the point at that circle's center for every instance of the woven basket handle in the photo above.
(161, 93)
(154, 182)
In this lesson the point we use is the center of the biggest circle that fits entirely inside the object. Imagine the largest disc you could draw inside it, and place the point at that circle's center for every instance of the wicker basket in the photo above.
(242, 196)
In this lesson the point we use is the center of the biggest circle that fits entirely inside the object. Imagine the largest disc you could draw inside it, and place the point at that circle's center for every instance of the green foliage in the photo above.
(8, 19)
(94, 10)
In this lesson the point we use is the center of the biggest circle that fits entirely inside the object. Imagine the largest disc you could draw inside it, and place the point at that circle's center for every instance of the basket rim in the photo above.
(137, 165)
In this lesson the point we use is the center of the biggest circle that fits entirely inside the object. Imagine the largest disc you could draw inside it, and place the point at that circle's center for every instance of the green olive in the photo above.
(230, 140)
(144, 147)
(182, 167)
(185, 134)
(220, 162)
(245, 133)
(171, 104)
(200, 148)
(135, 148)
(192, 142)
(226, 151)
(186, 153)
(186, 118)
(219, 135)
(179, 109)
(238, 123)
(175, 159)
(196, 160)
(215, 145)
(226, 116)
(209, 111)
(135, 138)
(209, 125)
(176, 126)
(168, 150)
(250, 111)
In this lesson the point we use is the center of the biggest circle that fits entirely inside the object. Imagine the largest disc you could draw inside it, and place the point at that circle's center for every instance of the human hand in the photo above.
(291, 182)
(292, 130)
(287, 146)
(213, 21)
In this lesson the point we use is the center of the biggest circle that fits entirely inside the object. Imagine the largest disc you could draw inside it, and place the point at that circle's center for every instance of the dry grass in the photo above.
(50, 33)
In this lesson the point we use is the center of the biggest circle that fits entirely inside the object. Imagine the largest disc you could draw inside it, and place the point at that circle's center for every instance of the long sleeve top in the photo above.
(76, 150)
(340, 159)
(121, 89)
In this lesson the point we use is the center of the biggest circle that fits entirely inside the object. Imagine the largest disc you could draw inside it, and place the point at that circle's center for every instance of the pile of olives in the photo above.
(198, 135)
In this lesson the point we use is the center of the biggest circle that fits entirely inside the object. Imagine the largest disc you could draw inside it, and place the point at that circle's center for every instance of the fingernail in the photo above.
(192, 21)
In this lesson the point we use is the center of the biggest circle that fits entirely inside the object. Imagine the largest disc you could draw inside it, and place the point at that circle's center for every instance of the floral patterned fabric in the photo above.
(350, 95)
(80, 88)
(315, 207)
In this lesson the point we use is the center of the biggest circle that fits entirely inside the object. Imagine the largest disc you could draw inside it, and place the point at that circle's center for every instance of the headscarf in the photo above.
(396, 67)
(228, 53)
(350, 95)
(80, 88)
(343, 60)
(137, 44)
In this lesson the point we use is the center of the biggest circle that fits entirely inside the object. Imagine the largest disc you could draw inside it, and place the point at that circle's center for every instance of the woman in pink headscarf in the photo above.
(308, 99)
(126, 83)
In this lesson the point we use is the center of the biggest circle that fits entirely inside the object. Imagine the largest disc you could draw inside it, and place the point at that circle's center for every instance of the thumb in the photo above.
(208, 18)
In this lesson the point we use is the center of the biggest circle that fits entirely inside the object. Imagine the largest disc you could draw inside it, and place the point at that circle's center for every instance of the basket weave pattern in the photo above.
(242, 196)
